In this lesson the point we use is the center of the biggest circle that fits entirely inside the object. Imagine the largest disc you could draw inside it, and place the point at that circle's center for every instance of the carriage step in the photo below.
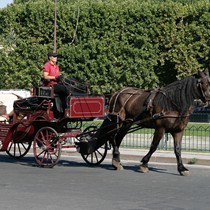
(70, 133)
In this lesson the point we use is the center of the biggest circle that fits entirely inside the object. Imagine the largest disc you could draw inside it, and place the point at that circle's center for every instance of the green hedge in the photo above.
(110, 43)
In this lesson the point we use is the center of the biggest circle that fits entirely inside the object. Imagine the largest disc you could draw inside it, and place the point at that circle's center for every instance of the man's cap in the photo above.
(51, 53)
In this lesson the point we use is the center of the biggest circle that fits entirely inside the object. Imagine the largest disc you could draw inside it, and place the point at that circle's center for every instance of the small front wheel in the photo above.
(46, 147)
(98, 155)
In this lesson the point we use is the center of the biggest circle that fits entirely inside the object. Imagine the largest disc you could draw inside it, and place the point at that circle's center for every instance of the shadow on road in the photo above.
(30, 162)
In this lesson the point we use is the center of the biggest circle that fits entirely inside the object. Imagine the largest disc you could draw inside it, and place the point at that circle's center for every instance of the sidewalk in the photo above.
(158, 156)
(166, 156)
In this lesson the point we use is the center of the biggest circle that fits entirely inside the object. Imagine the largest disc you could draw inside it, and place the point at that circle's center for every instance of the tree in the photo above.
(110, 43)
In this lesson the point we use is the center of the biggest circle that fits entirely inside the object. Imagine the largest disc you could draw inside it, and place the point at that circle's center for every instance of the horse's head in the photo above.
(204, 84)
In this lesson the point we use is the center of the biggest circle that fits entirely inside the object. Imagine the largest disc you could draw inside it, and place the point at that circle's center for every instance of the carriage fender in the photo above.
(9, 136)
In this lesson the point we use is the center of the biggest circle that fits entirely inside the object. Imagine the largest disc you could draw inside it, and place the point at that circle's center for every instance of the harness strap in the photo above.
(149, 101)
(113, 109)
(115, 101)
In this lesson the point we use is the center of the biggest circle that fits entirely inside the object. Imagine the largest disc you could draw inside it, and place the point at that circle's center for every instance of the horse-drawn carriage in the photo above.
(165, 110)
(38, 123)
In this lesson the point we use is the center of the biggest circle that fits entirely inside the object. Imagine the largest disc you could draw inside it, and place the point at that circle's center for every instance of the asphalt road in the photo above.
(73, 185)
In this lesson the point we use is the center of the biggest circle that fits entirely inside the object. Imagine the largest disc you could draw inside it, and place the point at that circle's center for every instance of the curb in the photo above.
(158, 157)
(167, 156)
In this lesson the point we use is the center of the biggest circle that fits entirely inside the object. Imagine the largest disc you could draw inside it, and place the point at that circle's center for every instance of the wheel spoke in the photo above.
(14, 151)
(41, 153)
(10, 146)
(23, 146)
(43, 158)
(96, 156)
(97, 151)
(18, 147)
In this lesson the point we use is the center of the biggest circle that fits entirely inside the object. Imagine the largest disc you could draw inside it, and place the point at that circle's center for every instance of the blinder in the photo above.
(200, 83)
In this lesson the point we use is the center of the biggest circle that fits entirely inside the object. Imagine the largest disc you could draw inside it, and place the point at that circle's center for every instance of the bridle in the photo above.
(199, 84)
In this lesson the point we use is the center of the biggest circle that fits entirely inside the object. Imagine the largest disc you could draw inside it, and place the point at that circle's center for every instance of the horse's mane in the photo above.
(178, 95)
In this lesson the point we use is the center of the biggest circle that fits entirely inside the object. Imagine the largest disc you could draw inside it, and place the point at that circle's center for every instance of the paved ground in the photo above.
(72, 185)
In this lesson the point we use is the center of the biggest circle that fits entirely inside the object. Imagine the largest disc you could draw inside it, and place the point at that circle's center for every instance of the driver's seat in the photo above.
(48, 92)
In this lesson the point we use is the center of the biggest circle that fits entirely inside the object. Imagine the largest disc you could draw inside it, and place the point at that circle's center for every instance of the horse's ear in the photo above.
(206, 71)
(203, 73)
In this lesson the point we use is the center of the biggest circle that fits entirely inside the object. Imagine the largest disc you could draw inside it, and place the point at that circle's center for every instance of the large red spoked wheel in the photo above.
(46, 147)
(18, 148)
(98, 155)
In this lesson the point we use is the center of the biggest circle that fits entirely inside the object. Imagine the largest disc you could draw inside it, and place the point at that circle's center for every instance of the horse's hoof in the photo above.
(144, 168)
(117, 165)
(185, 173)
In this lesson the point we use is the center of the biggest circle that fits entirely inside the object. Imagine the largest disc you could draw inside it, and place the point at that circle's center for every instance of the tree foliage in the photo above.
(112, 43)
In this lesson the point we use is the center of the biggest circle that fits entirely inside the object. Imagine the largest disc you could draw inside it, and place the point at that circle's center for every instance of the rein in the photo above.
(157, 116)
(69, 84)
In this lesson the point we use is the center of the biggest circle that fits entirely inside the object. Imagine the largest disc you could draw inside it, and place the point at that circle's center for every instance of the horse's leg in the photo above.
(177, 150)
(116, 144)
(155, 142)
(116, 156)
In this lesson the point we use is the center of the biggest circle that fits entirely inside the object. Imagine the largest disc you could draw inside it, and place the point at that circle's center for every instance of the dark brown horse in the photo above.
(166, 110)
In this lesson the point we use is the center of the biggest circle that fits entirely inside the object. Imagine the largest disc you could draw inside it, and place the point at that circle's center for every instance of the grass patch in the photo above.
(193, 161)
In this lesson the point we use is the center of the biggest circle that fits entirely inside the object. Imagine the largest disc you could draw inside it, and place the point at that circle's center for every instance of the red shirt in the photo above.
(52, 70)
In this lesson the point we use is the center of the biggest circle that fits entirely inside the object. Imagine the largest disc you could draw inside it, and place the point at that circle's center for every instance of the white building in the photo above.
(7, 97)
